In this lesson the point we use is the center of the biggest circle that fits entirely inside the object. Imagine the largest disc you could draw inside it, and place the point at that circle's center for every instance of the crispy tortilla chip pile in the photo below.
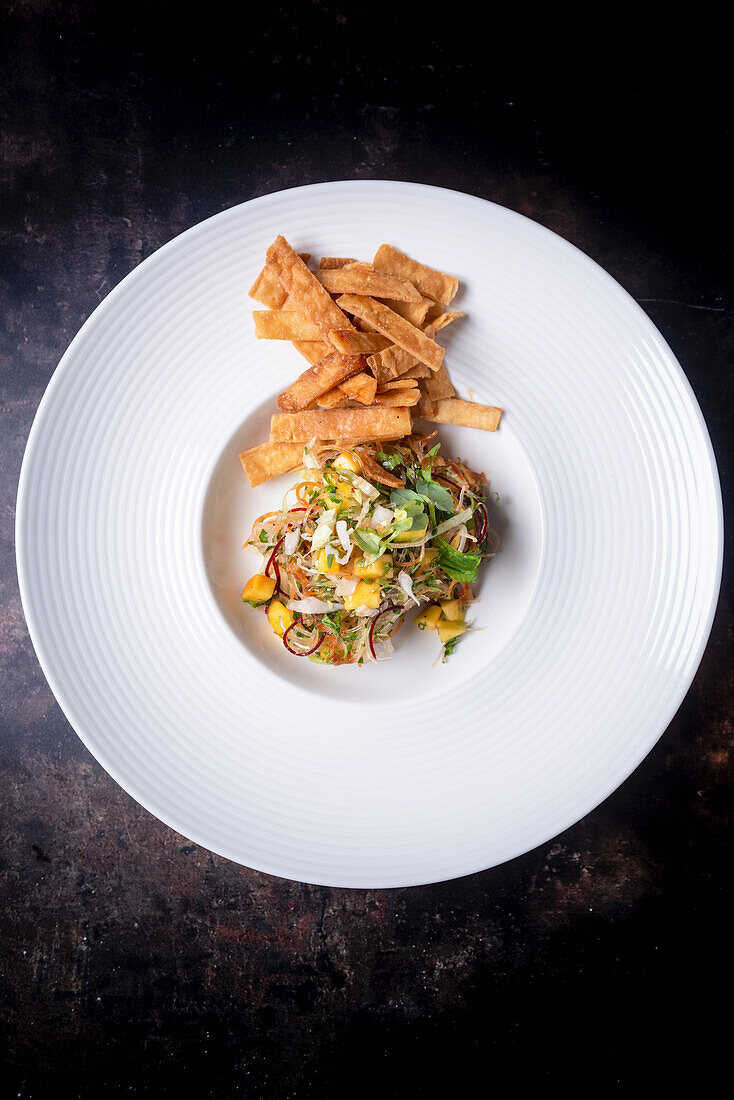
(368, 331)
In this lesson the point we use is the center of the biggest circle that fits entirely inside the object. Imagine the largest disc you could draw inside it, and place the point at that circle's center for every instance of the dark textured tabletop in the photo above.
(133, 963)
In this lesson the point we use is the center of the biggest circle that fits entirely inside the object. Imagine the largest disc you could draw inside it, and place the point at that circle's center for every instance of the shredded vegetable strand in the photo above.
(352, 555)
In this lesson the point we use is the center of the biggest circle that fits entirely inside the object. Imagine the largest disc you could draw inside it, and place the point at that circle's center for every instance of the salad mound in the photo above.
(364, 536)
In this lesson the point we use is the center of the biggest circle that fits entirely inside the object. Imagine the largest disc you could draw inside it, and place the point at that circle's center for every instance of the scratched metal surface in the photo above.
(134, 963)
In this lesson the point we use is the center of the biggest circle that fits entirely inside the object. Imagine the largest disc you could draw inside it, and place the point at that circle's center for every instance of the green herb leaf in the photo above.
(441, 497)
(461, 567)
(401, 498)
(429, 492)
(388, 461)
(263, 537)
(449, 648)
(400, 525)
(369, 541)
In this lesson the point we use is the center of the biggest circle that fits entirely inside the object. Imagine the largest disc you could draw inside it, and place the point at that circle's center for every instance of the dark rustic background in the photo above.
(134, 963)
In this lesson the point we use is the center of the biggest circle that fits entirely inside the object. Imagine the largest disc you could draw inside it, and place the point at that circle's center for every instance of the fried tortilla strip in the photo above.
(466, 414)
(358, 343)
(318, 379)
(333, 263)
(420, 370)
(332, 399)
(439, 386)
(360, 387)
(270, 460)
(394, 362)
(283, 324)
(391, 363)
(268, 289)
(430, 282)
(345, 444)
(399, 397)
(400, 331)
(399, 384)
(426, 407)
(444, 319)
(313, 350)
(415, 312)
(360, 280)
(342, 424)
(373, 471)
(310, 297)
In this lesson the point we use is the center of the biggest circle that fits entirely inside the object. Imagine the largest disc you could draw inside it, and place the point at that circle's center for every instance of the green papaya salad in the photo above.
(364, 536)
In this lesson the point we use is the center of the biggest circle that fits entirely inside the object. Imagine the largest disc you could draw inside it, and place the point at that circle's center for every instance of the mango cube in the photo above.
(279, 617)
(322, 563)
(258, 589)
(411, 536)
(347, 460)
(452, 611)
(447, 631)
(345, 492)
(378, 568)
(366, 594)
(428, 619)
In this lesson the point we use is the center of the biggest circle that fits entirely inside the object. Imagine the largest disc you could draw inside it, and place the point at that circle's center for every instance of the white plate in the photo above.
(132, 510)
